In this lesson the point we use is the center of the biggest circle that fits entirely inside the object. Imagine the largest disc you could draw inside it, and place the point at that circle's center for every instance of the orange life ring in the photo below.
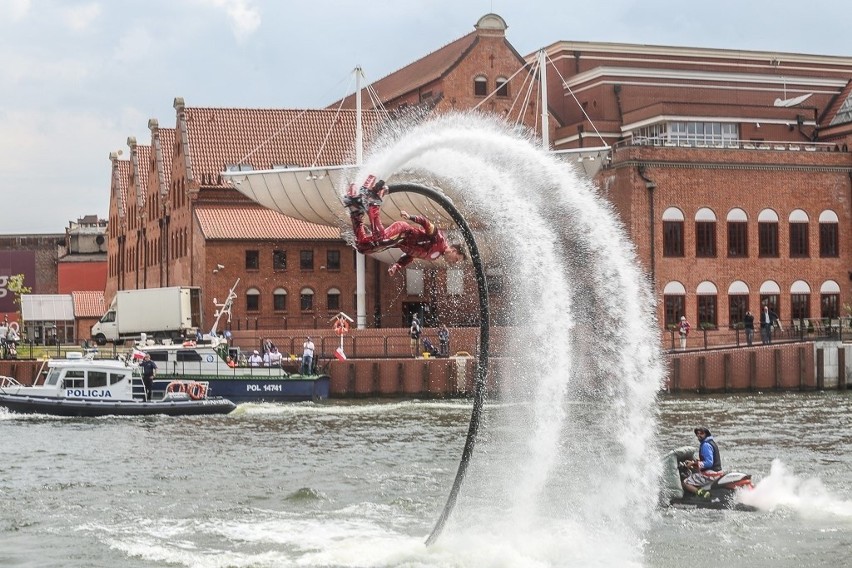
(341, 327)
(176, 386)
(197, 391)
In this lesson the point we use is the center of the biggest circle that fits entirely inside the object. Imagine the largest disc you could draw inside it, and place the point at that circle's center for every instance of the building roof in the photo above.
(122, 179)
(88, 304)
(257, 223)
(47, 307)
(219, 138)
(140, 176)
(423, 71)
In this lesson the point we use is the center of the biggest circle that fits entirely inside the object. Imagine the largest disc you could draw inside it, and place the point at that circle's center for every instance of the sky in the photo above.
(78, 77)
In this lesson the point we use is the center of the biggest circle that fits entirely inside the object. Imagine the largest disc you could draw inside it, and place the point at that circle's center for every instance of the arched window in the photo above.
(770, 295)
(306, 300)
(252, 300)
(673, 232)
(799, 242)
(829, 239)
(333, 299)
(279, 300)
(707, 303)
(705, 233)
(767, 234)
(800, 300)
(480, 86)
(737, 302)
(502, 87)
(674, 302)
(829, 299)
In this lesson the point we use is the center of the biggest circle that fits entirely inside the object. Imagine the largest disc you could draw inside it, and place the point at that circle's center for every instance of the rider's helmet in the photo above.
(702, 429)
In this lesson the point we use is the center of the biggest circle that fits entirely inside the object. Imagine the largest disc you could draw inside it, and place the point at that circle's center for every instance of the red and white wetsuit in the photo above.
(425, 242)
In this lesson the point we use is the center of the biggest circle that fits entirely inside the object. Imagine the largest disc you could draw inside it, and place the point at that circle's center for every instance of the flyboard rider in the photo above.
(424, 242)
(707, 468)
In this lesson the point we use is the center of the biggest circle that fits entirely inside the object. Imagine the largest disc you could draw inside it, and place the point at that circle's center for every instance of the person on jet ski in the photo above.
(425, 242)
(707, 468)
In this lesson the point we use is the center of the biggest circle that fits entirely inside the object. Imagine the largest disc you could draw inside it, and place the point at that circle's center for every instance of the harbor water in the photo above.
(360, 484)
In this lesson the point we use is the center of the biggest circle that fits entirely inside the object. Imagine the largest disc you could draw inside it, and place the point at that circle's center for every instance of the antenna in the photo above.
(224, 308)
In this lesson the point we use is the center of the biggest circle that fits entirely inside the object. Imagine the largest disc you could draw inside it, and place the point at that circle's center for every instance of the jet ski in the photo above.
(722, 491)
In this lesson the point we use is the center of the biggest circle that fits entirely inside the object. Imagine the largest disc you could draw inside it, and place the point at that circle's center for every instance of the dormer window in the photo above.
(480, 86)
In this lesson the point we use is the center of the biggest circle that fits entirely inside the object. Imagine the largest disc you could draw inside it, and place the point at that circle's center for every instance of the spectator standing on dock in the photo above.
(768, 320)
(748, 325)
(444, 341)
(414, 333)
(683, 329)
(149, 371)
(308, 349)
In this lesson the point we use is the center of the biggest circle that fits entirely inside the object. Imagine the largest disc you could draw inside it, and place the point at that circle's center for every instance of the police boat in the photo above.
(722, 491)
(81, 385)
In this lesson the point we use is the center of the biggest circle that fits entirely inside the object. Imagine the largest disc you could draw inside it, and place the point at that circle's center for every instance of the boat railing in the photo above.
(8, 382)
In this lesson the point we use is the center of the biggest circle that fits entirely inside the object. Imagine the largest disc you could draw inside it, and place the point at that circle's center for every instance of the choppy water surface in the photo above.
(361, 484)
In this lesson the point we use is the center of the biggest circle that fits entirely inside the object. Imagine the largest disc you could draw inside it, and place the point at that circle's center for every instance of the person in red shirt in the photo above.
(424, 242)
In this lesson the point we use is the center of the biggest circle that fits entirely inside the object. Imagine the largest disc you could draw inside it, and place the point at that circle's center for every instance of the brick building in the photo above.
(730, 170)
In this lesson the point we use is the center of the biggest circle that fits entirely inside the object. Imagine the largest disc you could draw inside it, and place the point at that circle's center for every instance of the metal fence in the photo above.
(791, 331)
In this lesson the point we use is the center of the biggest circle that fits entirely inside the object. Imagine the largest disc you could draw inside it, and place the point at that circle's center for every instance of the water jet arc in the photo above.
(484, 330)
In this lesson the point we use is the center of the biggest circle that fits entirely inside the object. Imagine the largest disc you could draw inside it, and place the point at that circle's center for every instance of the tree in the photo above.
(16, 286)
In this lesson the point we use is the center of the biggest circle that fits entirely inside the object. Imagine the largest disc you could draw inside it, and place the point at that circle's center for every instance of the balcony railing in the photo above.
(727, 144)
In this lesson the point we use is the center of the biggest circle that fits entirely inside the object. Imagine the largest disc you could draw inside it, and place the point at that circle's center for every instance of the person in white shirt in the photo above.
(307, 357)
(274, 357)
(255, 360)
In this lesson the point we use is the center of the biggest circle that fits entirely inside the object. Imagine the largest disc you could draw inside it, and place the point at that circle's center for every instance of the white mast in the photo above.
(545, 123)
(360, 265)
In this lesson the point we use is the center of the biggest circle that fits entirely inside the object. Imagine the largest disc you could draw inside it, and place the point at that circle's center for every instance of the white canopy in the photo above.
(47, 307)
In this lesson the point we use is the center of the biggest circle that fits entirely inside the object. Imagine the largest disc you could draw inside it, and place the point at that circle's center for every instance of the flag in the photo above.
(341, 356)
(138, 355)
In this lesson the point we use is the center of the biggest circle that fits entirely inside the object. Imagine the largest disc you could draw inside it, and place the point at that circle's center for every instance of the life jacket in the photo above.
(717, 458)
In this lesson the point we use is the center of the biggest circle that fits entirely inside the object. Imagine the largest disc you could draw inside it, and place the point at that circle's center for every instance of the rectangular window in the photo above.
(800, 306)
(705, 239)
(306, 302)
(830, 305)
(414, 285)
(252, 260)
(737, 308)
(306, 260)
(279, 260)
(828, 240)
(480, 86)
(675, 307)
(673, 238)
(455, 281)
(767, 240)
(279, 302)
(97, 379)
(253, 302)
(707, 310)
(333, 301)
(737, 239)
(799, 240)
(332, 260)
(502, 88)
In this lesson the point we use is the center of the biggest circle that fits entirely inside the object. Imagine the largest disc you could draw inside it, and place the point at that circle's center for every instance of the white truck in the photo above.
(160, 313)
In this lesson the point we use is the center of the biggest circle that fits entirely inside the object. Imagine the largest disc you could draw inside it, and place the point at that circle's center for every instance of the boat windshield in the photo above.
(53, 377)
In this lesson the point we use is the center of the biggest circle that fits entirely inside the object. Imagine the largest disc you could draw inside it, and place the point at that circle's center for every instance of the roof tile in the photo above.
(257, 223)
